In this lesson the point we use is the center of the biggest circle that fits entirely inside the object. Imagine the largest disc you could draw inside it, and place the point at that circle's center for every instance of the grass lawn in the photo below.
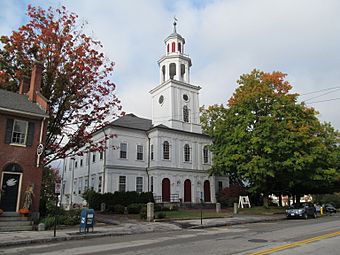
(195, 214)
(211, 213)
(260, 210)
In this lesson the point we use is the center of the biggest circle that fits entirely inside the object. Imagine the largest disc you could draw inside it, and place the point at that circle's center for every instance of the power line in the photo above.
(322, 94)
(317, 91)
(326, 100)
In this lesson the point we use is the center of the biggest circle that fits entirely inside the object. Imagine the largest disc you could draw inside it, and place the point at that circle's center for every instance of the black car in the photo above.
(329, 209)
(301, 210)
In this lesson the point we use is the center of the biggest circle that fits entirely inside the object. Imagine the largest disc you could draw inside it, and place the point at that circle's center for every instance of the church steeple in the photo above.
(175, 64)
(175, 100)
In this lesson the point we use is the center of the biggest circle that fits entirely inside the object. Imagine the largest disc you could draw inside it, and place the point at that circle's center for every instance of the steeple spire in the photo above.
(175, 23)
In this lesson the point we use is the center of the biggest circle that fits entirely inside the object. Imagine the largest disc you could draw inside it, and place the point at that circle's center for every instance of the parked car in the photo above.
(301, 210)
(329, 209)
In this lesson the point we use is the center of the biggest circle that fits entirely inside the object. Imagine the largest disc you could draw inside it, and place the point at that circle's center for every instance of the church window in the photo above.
(172, 69)
(101, 155)
(185, 113)
(139, 152)
(93, 157)
(187, 153)
(179, 47)
(151, 188)
(100, 180)
(123, 150)
(139, 184)
(122, 183)
(151, 151)
(76, 164)
(173, 47)
(166, 150)
(205, 154)
(167, 48)
(220, 186)
(81, 162)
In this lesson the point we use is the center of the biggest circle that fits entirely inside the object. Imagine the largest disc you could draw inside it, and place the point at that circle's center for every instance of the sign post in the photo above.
(57, 186)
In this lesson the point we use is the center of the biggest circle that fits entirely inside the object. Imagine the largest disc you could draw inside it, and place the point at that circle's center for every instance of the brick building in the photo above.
(23, 120)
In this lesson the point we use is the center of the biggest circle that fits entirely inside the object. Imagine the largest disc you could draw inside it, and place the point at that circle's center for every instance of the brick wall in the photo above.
(26, 157)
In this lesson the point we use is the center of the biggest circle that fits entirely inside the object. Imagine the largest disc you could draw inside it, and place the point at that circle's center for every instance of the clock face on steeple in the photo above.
(161, 99)
(185, 97)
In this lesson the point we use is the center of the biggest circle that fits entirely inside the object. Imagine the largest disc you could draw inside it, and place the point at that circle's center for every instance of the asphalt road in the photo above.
(313, 236)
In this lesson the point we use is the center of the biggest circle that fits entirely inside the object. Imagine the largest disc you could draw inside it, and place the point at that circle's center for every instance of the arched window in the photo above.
(179, 47)
(172, 70)
(182, 71)
(173, 47)
(205, 154)
(187, 153)
(185, 113)
(166, 150)
(168, 48)
(163, 73)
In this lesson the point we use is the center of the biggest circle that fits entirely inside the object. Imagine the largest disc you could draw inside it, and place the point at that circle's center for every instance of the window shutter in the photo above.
(30, 134)
(9, 129)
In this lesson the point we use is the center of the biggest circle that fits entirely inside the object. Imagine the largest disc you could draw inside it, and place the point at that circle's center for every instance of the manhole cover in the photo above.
(257, 241)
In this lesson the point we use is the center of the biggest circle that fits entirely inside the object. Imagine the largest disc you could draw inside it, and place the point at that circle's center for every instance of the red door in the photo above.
(187, 190)
(207, 191)
(166, 190)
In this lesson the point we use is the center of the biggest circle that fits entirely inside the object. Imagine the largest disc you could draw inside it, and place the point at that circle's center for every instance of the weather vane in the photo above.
(175, 23)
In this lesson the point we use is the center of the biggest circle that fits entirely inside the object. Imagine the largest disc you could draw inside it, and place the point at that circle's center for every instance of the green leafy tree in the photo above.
(47, 196)
(268, 140)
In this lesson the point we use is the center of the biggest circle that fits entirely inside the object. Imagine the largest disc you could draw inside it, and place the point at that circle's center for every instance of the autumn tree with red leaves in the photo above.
(76, 77)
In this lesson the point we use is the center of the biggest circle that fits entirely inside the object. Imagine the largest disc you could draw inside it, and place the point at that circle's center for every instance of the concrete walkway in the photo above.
(125, 228)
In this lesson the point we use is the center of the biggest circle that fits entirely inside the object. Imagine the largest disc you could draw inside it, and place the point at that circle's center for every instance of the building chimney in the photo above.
(24, 85)
(35, 82)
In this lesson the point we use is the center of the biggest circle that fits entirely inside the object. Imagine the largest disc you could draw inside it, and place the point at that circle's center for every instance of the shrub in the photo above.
(161, 215)
(157, 208)
(134, 208)
(143, 213)
(119, 209)
(48, 221)
(328, 198)
(228, 196)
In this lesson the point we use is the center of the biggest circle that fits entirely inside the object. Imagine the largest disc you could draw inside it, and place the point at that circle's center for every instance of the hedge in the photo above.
(95, 199)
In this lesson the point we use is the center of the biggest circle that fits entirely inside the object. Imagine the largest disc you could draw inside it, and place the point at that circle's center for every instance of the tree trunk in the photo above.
(265, 201)
(297, 200)
(280, 200)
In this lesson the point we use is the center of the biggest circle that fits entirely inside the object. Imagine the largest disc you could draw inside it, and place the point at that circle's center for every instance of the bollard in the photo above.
(102, 207)
(321, 210)
(41, 227)
(235, 208)
(150, 213)
(218, 207)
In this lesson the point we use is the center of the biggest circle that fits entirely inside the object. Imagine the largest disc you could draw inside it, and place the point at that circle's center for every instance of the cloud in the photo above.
(224, 39)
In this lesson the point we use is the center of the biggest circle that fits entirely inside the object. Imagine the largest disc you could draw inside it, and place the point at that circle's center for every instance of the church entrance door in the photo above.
(187, 190)
(207, 197)
(166, 190)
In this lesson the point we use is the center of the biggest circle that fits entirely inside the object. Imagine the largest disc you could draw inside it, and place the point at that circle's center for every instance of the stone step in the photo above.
(13, 218)
(15, 223)
(15, 228)
(10, 214)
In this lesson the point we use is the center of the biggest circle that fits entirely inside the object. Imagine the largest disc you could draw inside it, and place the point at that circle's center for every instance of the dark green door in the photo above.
(10, 188)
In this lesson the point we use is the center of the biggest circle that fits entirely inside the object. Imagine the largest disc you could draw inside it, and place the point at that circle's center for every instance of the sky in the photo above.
(224, 38)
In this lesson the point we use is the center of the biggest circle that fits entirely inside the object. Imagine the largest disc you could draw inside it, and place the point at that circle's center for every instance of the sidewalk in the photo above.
(123, 228)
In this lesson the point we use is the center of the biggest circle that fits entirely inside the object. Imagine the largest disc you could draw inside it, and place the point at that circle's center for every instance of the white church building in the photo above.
(167, 155)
